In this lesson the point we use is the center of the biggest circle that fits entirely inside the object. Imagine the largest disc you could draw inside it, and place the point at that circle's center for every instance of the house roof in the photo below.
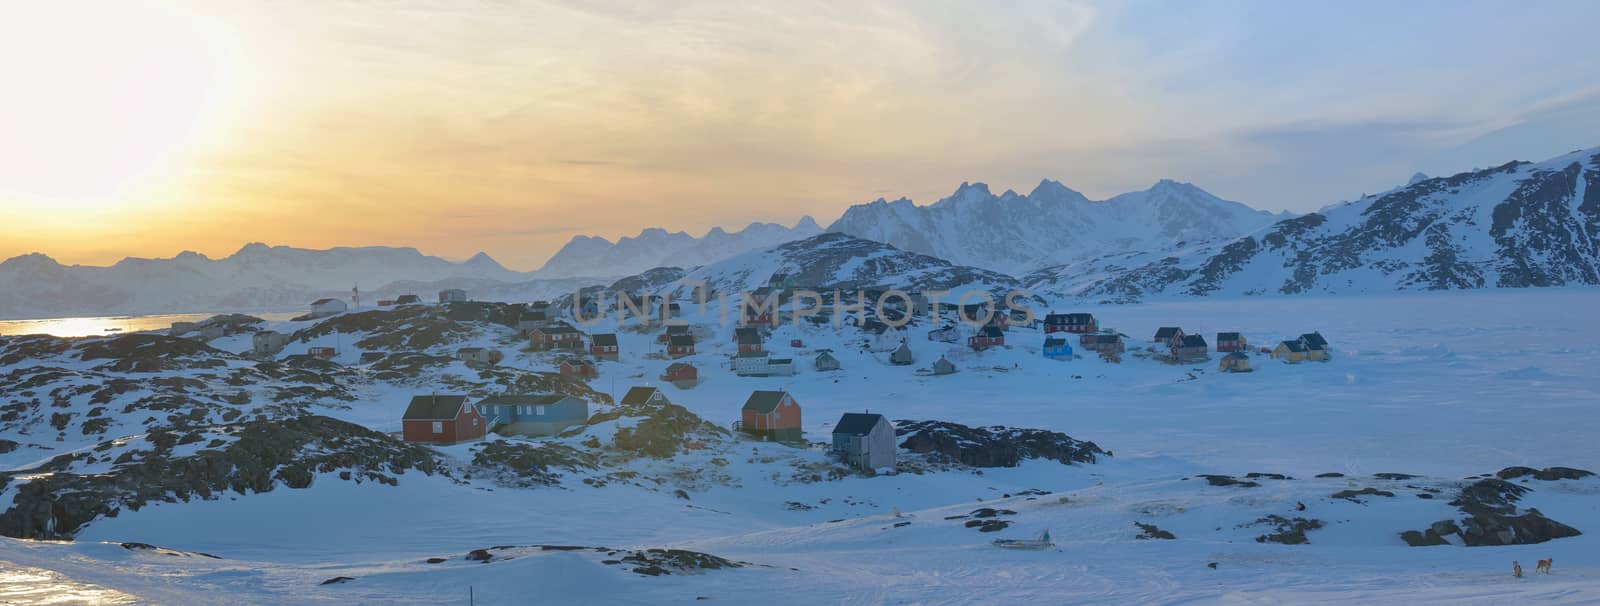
(639, 395)
(1193, 341)
(1166, 332)
(434, 408)
(1294, 345)
(469, 350)
(1237, 355)
(542, 399)
(780, 361)
(749, 336)
(321, 301)
(1314, 338)
(1227, 336)
(904, 349)
(991, 331)
(764, 401)
(826, 356)
(576, 362)
(606, 339)
(1054, 342)
(857, 423)
(752, 354)
(557, 329)
(680, 341)
(679, 366)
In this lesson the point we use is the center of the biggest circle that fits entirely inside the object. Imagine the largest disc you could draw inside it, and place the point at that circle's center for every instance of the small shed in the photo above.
(1290, 351)
(680, 345)
(1231, 341)
(479, 355)
(604, 346)
(1057, 348)
(328, 307)
(533, 414)
(770, 414)
(407, 300)
(943, 366)
(682, 375)
(452, 295)
(902, 356)
(987, 336)
(864, 440)
(1190, 348)
(268, 342)
(583, 369)
(826, 362)
(436, 419)
(1234, 362)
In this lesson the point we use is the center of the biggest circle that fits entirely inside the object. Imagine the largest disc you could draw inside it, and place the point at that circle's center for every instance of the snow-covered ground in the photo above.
(1441, 385)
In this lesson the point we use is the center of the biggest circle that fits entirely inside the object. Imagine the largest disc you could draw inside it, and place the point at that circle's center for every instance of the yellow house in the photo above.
(1290, 351)
(1234, 362)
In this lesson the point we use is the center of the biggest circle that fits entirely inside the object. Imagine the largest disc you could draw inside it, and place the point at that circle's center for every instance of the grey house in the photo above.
(901, 356)
(268, 342)
(942, 366)
(533, 415)
(865, 440)
(826, 361)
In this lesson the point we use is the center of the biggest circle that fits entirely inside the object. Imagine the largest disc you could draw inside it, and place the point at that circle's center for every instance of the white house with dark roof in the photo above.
(864, 440)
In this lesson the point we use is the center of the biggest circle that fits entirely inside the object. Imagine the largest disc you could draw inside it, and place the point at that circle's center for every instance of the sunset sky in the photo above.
(146, 128)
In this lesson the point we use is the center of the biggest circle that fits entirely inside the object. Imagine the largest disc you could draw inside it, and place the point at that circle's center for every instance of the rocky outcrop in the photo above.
(528, 465)
(995, 446)
(1548, 474)
(1492, 517)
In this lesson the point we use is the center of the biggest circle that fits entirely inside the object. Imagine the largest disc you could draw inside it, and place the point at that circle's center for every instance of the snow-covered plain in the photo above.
(1442, 385)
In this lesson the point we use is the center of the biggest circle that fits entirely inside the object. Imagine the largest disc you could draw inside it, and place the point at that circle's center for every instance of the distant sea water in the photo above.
(111, 325)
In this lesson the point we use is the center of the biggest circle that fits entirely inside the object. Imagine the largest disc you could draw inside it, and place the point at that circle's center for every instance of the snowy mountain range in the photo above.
(655, 247)
(1515, 225)
(1051, 225)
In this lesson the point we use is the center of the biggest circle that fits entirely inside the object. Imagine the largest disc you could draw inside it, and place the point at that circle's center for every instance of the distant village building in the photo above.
(557, 336)
(435, 419)
(1316, 346)
(1105, 344)
(328, 307)
(322, 352)
(407, 300)
(1290, 351)
(1234, 362)
(1190, 348)
(864, 440)
(1231, 341)
(644, 396)
(682, 375)
(209, 332)
(533, 415)
(757, 312)
(268, 342)
(479, 355)
(574, 367)
(604, 346)
(530, 320)
(680, 345)
(902, 356)
(942, 366)
(986, 337)
(1076, 323)
(452, 295)
(887, 339)
(826, 362)
(774, 415)
(673, 330)
(1169, 335)
(761, 364)
(1057, 348)
(181, 328)
(748, 339)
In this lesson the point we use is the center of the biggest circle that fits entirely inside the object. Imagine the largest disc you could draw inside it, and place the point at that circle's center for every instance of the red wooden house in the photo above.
(560, 336)
(757, 311)
(1231, 341)
(1172, 336)
(681, 374)
(672, 330)
(1076, 323)
(441, 420)
(749, 340)
(321, 352)
(582, 369)
(774, 415)
(680, 345)
(986, 337)
(604, 346)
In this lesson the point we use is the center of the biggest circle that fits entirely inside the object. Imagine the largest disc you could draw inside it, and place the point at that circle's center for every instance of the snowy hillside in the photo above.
(1049, 226)
(598, 257)
(256, 277)
(1512, 226)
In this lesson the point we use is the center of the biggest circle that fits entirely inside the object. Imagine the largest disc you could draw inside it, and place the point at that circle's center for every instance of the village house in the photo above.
(479, 355)
(1235, 361)
(322, 352)
(644, 396)
(1057, 348)
(902, 356)
(604, 346)
(556, 336)
(1077, 323)
(757, 311)
(530, 320)
(435, 419)
(1316, 346)
(762, 364)
(1172, 336)
(672, 330)
(680, 345)
(864, 440)
(533, 414)
(1190, 348)
(452, 295)
(407, 300)
(1290, 351)
(1231, 341)
(181, 328)
(986, 337)
(1103, 343)
(682, 375)
(580, 368)
(208, 332)
(328, 307)
(826, 362)
(942, 366)
(268, 342)
(887, 339)
(748, 338)
(773, 415)
(385, 302)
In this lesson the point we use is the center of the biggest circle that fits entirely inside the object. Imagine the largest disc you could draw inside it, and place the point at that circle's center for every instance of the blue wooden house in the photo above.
(1057, 348)
(533, 414)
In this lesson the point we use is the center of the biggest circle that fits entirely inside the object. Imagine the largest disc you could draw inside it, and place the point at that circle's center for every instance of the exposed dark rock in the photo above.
(1548, 474)
(664, 432)
(993, 446)
(525, 465)
(1393, 476)
(1150, 531)
(1288, 531)
(1351, 495)
(337, 580)
(1219, 480)
(1267, 476)
(991, 525)
(1493, 518)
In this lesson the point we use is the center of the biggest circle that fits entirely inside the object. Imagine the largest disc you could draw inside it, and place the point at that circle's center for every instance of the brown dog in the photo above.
(1516, 569)
(1544, 565)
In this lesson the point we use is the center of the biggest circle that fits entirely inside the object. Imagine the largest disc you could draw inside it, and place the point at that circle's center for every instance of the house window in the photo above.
(438, 427)
(541, 411)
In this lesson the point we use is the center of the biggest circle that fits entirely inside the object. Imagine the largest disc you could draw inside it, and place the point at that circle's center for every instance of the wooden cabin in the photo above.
(864, 440)
(1234, 362)
(435, 419)
(773, 415)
